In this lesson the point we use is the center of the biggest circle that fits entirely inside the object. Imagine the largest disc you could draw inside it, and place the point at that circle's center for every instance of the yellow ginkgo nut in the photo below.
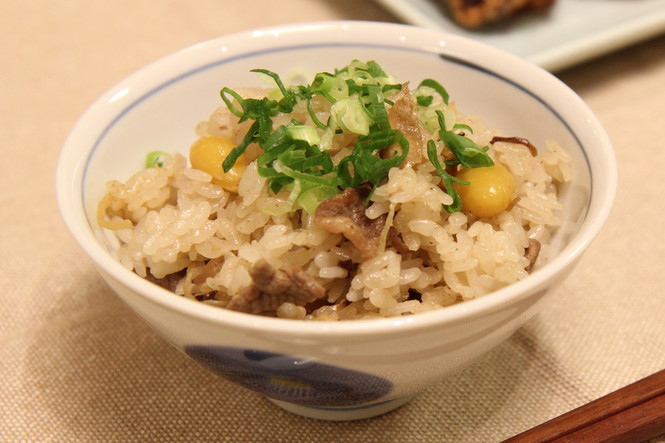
(208, 153)
(489, 192)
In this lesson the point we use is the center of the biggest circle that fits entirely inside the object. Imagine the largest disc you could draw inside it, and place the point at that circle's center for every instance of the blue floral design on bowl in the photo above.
(291, 379)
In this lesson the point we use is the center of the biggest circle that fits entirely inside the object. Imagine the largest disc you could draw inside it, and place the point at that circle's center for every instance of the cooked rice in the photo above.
(174, 219)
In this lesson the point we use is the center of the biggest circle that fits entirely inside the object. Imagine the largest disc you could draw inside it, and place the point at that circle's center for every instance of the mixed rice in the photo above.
(254, 241)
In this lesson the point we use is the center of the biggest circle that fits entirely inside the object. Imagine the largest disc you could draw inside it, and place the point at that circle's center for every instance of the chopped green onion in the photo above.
(460, 126)
(375, 70)
(236, 152)
(378, 107)
(304, 133)
(295, 157)
(447, 179)
(229, 103)
(429, 83)
(469, 154)
(275, 77)
(430, 117)
(424, 100)
(310, 198)
(313, 116)
(351, 115)
(303, 176)
(329, 86)
(465, 150)
(367, 165)
(155, 159)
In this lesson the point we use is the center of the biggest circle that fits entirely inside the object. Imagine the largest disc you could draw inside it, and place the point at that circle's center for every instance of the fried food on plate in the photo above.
(479, 13)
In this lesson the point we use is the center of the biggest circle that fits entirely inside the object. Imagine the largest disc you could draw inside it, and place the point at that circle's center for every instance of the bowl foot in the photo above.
(342, 413)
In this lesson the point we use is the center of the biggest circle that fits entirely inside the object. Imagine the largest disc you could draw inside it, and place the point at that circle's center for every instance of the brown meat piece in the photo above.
(396, 241)
(345, 214)
(403, 116)
(271, 287)
(531, 253)
(479, 13)
(168, 282)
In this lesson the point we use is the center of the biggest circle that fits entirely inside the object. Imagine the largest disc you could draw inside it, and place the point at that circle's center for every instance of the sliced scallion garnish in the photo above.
(296, 156)
(155, 159)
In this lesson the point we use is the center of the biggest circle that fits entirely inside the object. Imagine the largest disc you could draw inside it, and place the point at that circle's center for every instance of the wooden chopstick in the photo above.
(631, 414)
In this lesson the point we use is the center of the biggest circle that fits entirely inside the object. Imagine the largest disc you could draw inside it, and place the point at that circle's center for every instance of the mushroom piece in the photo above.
(519, 140)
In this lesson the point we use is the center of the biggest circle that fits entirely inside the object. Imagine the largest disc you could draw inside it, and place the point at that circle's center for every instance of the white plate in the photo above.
(570, 32)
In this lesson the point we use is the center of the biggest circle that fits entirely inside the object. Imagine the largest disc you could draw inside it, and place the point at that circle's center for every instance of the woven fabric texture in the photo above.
(76, 364)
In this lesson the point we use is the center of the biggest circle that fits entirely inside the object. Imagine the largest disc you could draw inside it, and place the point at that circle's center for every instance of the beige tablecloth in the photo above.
(77, 365)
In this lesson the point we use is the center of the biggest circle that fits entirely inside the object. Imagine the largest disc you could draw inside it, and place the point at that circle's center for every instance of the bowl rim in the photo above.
(73, 157)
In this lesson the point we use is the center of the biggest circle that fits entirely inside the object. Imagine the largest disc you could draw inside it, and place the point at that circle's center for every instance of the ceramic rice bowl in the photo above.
(350, 369)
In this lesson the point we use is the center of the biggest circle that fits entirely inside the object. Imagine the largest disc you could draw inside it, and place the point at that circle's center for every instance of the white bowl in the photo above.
(340, 370)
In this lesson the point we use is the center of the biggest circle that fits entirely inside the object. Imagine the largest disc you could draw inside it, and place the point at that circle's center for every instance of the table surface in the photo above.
(77, 365)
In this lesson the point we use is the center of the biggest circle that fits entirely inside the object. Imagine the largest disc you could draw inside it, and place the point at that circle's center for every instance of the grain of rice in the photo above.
(332, 272)
(292, 311)
(409, 275)
(460, 265)
(381, 298)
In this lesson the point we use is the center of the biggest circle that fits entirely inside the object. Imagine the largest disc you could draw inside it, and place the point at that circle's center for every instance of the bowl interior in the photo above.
(158, 107)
